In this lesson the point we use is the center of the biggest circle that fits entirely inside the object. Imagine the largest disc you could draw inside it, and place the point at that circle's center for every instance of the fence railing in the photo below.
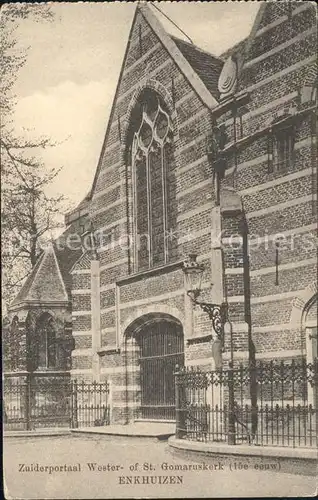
(271, 403)
(34, 402)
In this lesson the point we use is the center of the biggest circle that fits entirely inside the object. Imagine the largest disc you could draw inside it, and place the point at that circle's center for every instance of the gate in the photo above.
(161, 349)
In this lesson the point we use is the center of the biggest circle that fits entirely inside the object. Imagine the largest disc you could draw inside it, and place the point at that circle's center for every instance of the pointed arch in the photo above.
(46, 341)
(155, 86)
(302, 302)
(150, 162)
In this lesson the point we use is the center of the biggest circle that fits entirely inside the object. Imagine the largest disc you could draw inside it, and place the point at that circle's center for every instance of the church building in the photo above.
(208, 163)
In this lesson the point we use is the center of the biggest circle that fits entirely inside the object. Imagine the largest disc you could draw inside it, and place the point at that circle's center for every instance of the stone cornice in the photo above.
(167, 268)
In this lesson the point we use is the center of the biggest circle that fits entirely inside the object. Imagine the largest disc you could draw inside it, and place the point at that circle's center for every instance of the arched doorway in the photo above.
(160, 345)
(310, 324)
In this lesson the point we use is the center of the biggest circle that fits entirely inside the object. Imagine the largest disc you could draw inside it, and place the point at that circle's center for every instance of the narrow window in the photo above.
(51, 344)
(284, 149)
(151, 159)
(280, 150)
(270, 142)
(46, 342)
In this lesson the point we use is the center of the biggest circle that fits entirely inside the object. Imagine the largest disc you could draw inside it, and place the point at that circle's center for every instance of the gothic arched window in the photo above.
(151, 160)
(47, 342)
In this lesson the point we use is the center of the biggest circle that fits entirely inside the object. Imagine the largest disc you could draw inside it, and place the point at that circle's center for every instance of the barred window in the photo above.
(151, 159)
(281, 150)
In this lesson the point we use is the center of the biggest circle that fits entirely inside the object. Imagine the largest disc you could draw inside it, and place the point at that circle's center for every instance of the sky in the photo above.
(66, 88)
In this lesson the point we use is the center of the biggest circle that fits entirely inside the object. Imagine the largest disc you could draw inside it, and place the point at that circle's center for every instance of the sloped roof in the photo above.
(249, 40)
(198, 60)
(66, 259)
(50, 279)
(85, 201)
(24, 291)
(66, 255)
(81, 210)
(83, 262)
(207, 66)
(45, 284)
(238, 48)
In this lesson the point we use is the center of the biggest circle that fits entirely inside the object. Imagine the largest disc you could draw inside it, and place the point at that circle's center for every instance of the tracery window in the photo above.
(151, 159)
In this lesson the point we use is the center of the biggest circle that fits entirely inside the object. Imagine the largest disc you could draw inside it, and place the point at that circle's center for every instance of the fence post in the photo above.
(28, 402)
(315, 402)
(74, 405)
(253, 376)
(179, 397)
(231, 424)
(110, 401)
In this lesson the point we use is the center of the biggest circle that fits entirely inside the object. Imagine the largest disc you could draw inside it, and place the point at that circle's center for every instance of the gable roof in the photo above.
(207, 66)
(238, 48)
(191, 62)
(249, 40)
(179, 58)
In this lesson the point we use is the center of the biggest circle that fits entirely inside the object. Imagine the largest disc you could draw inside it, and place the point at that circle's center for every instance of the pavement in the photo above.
(96, 466)
(46, 431)
(157, 430)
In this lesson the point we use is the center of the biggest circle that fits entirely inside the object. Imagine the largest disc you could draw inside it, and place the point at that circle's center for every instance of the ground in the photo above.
(123, 454)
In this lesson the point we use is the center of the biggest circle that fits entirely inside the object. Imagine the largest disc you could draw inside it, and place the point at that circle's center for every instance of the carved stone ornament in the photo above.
(228, 78)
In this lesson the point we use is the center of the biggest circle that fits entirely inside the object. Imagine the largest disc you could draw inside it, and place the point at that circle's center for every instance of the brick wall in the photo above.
(279, 57)
(190, 120)
(281, 54)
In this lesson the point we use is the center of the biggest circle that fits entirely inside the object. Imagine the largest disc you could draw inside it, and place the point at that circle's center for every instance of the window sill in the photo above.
(273, 127)
(166, 268)
(50, 371)
(45, 368)
(285, 167)
(200, 339)
(108, 350)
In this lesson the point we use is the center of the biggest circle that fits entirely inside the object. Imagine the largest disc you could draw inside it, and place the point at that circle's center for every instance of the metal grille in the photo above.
(35, 402)
(274, 404)
(90, 404)
(161, 349)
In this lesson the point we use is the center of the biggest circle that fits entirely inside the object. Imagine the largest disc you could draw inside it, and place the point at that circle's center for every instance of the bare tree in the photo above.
(12, 58)
(28, 213)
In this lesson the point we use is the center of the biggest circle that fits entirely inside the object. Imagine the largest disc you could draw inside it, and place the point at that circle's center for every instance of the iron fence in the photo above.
(271, 403)
(37, 402)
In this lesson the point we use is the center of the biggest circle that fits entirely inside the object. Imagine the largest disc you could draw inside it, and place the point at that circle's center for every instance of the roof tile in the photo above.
(207, 66)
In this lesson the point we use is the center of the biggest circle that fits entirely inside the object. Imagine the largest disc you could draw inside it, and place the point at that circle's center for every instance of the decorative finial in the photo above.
(228, 78)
